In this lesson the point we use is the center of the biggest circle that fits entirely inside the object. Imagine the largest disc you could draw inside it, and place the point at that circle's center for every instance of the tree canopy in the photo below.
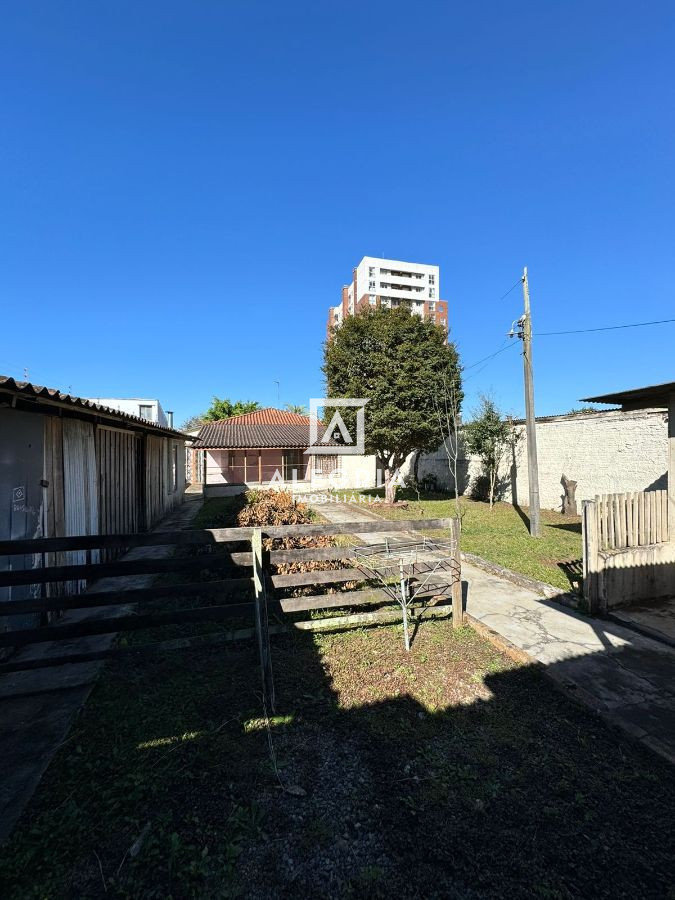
(398, 361)
(221, 409)
(489, 435)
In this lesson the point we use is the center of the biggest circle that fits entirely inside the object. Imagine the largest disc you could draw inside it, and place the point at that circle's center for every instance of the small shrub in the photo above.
(279, 508)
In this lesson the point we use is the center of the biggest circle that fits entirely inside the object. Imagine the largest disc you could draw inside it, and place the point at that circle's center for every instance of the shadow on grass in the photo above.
(445, 772)
(574, 527)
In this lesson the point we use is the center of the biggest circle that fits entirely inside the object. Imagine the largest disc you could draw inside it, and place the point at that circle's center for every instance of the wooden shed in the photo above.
(69, 467)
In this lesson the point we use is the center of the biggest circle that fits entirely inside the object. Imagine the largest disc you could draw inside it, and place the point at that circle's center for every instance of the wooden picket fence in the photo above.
(249, 597)
(615, 522)
(631, 520)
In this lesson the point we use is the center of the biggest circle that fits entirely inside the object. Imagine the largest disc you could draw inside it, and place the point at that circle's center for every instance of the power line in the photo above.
(505, 346)
(503, 297)
(605, 328)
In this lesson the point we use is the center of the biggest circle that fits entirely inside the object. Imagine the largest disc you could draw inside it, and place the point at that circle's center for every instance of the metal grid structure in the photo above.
(410, 570)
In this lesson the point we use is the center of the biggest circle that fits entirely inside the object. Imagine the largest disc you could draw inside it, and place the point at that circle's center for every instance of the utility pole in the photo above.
(531, 428)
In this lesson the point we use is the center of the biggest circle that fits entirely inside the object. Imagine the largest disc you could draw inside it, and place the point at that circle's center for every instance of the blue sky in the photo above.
(186, 186)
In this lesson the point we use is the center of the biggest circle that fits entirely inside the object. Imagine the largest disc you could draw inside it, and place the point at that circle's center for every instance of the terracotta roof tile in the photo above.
(268, 416)
(232, 434)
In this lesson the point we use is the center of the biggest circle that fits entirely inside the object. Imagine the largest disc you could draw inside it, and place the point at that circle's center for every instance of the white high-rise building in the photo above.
(390, 283)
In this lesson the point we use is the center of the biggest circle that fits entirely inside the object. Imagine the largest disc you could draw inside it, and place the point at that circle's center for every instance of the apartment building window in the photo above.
(371, 271)
(432, 292)
(371, 300)
(432, 306)
(145, 411)
(432, 279)
(371, 286)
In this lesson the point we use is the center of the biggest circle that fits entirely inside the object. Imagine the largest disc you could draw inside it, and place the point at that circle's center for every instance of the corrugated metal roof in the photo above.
(38, 392)
(645, 397)
(231, 434)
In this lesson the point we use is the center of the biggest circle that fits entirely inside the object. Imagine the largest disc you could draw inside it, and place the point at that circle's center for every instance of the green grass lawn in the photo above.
(501, 535)
(448, 771)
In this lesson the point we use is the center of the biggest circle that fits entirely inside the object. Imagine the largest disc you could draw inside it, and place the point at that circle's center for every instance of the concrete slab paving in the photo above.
(38, 708)
(627, 677)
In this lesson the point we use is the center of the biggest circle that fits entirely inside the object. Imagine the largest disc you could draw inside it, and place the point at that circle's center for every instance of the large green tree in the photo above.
(399, 361)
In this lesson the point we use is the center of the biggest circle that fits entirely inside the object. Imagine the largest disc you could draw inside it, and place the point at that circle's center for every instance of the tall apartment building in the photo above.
(391, 283)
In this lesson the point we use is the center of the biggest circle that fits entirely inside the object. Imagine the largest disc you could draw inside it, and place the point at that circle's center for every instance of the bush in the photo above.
(279, 508)
(480, 488)
(273, 508)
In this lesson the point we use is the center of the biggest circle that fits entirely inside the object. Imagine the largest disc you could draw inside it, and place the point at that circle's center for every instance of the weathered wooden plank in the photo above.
(309, 554)
(642, 538)
(137, 595)
(202, 641)
(358, 527)
(113, 624)
(112, 569)
(330, 601)
(457, 599)
(621, 520)
(629, 520)
(614, 500)
(214, 535)
(373, 618)
(658, 530)
(664, 516)
(299, 579)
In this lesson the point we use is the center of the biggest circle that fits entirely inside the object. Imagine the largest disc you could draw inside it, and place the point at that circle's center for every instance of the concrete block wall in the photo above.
(605, 452)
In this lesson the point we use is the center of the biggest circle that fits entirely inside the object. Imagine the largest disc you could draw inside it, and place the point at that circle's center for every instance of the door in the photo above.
(21, 502)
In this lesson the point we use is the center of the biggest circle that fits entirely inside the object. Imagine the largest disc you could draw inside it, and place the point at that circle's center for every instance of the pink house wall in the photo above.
(220, 472)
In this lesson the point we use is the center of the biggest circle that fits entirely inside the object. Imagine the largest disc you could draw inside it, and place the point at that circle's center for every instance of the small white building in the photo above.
(143, 407)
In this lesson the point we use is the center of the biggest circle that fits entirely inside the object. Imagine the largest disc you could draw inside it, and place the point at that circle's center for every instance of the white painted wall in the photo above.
(605, 452)
(131, 405)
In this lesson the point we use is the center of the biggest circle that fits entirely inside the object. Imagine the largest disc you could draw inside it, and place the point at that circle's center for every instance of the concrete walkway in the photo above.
(627, 678)
(38, 708)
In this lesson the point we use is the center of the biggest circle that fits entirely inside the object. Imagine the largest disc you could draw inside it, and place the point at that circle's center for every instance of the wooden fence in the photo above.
(631, 520)
(250, 596)
(615, 522)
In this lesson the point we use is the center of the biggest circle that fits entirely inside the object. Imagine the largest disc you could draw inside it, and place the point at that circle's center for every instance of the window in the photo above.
(371, 286)
(371, 300)
(145, 411)
(371, 271)
(294, 461)
(230, 459)
(174, 468)
(432, 279)
(326, 465)
(432, 306)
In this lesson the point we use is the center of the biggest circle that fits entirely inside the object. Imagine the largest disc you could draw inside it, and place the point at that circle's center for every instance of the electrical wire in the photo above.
(505, 346)
(605, 328)
(504, 296)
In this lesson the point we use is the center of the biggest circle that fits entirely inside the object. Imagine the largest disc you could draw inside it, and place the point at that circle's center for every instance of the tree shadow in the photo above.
(379, 773)
(574, 527)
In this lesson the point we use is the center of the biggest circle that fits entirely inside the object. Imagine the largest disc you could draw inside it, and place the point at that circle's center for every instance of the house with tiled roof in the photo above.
(272, 448)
